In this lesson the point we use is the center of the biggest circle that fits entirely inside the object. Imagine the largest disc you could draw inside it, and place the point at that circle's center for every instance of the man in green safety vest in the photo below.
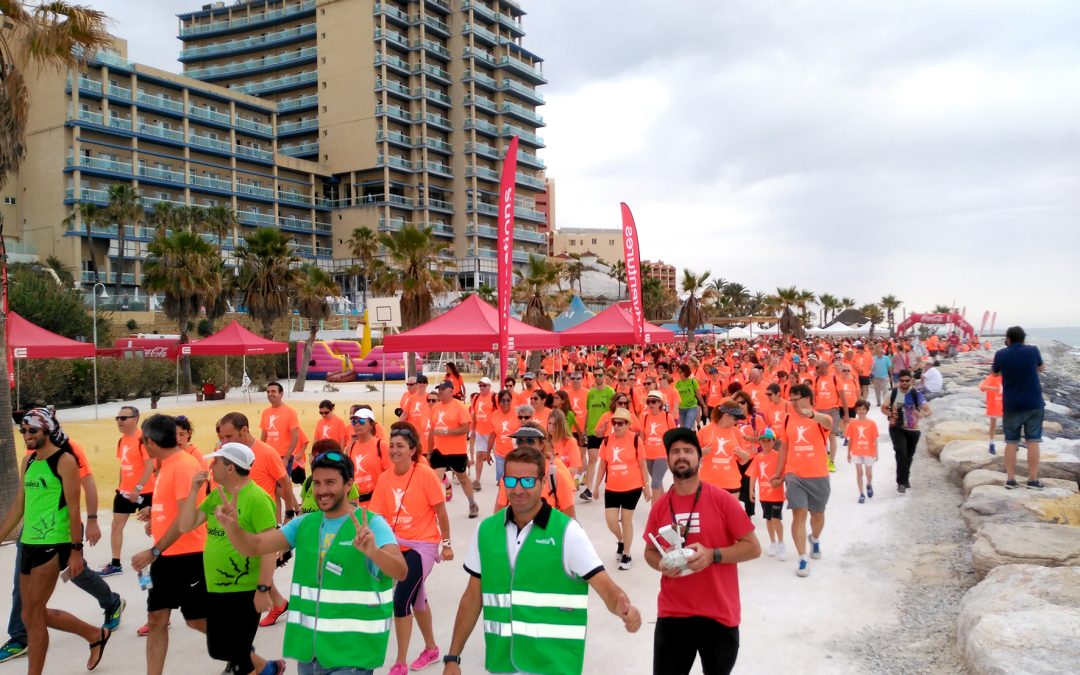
(341, 605)
(531, 569)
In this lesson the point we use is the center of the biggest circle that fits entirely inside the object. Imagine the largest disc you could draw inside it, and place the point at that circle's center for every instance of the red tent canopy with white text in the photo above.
(29, 341)
(613, 326)
(233, 340)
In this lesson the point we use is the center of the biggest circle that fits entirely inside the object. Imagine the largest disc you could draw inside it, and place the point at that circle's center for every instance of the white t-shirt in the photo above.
(932, 380)
(580, 560)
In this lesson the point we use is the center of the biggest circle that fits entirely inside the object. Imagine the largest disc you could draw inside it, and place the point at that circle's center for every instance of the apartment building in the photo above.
(604, 243)
(314, 116)
(658, 269)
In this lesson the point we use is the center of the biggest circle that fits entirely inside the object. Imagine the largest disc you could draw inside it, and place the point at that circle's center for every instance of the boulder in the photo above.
(998, 544)
(1022, 619)
(987, 477)
(995, 504)
(946, 431)
(1057, 408)
(1058, 459)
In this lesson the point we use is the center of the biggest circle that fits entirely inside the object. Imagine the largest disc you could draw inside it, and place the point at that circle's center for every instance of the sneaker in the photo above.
(279, 666)
(781, 551)
(426, 658)
(626, 563)
(112, 619)
(476, 486)
(274, 614)
(862, 499)
(619, 548)
(832, 466)
(109, 569)
(815, 548)
(845, 441)
(804, 568)
(901, 489)
(993, 450)
(586, 495)
(1035, 484)
(772, 550)
(398, 668)
(1011, 484)
(12, 649)
(448, 487)
(474, 510)
(869, 491)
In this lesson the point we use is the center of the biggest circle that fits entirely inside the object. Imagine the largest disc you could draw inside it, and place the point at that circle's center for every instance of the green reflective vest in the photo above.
(534, 614)
(339, 613)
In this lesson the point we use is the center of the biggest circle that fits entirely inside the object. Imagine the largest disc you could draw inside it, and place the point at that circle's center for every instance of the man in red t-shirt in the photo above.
(698, 614)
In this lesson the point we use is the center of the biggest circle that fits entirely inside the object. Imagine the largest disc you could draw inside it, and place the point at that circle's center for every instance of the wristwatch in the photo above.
(262, 588)
(452, 658)
(77, 546)
(716, 556)
(155, 551)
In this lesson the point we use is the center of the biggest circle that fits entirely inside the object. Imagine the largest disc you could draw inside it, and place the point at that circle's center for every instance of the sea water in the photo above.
(1068, 335)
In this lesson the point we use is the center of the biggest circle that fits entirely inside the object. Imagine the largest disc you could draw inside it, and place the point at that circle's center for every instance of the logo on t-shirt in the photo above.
(399, 497)
(270, 423)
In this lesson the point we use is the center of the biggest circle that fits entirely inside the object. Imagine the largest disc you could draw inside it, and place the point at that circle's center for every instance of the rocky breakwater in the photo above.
(1024, 614)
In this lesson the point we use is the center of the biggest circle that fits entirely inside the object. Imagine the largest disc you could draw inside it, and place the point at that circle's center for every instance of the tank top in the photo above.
(45, 517)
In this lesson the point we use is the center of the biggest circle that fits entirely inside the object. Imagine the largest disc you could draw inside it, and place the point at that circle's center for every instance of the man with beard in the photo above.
(698, 613)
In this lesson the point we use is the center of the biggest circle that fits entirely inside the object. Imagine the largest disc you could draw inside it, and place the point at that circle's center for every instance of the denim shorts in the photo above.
(1030, 420)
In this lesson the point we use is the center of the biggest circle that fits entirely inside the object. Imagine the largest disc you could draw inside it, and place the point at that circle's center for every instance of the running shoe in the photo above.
(474, 510)
(626, 563)
(427, 657)
(993, 450)
(869, 491)
(586, 495)
(815, 548)
(476, 486)
(112, 619)
(771, 552)
(781, 551)
(619, 548)
(1011, 484)
(12, 649)
(901, 489)
(832, 466)
(109, 569)
(274, 614)
(279, 666)
(862, 499)
(1035, 484)
(448, 487)
(398, 669)
(804, 568)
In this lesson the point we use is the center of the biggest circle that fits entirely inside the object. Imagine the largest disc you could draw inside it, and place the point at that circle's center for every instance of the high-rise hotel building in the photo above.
(313, 116)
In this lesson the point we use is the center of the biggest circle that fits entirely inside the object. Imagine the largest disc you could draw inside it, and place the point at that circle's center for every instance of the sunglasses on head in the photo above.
(332, 456)
(407, 433)
(527, 482)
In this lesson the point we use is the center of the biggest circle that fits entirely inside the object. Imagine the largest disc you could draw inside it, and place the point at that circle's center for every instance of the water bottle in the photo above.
(145, 583)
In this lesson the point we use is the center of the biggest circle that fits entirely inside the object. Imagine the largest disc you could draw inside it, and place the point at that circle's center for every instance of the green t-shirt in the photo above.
(227, 571)
(688, 390)
(597, 402)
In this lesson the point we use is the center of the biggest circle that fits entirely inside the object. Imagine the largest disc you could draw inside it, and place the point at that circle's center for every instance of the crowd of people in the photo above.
(358, 509)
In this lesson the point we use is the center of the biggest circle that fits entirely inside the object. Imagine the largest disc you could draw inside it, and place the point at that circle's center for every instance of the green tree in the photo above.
(696, 288)
(364, 244)
(873, 314)
(736, 297)
(63, 272)
(847, 303)
(184, 267)
(221, 222)
(267, 276)
(418, 263)
(573, 271)
(805, 298)
(617, 271)
(890, 304)
(314, 285)
(486, 293)
(942, 309)
(93, 219)
(829, 304)
(537, 286)
(35, 295)
(125, 209)
(657, 300)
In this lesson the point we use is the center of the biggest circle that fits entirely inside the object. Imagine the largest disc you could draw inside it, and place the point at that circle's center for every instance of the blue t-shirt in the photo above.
(330, 526)
(1021, 389)
(882, 366)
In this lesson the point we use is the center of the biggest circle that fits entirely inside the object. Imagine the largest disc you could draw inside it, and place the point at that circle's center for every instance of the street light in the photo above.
(94, 292)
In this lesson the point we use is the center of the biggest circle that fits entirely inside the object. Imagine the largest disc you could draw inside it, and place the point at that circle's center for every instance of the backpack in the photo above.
(892, 402)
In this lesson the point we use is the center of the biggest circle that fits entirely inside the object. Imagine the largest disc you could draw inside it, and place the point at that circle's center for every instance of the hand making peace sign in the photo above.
(364, 541)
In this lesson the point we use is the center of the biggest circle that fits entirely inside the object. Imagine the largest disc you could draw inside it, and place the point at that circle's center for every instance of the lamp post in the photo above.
(94, 292)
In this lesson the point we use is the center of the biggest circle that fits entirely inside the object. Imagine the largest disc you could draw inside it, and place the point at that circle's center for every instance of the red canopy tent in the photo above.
(472, 326)
(613, 326)
(232, 340)
(28, 341)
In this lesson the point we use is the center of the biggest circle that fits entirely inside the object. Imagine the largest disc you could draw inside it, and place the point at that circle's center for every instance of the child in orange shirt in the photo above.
(992, 386)
(862, 437)
(761, 469)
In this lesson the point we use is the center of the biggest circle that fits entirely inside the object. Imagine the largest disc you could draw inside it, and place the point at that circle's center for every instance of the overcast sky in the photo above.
(930, 150)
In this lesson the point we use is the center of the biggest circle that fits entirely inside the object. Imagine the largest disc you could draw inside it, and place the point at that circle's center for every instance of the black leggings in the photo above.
(405, 591)
(744, 489)
(678, 641)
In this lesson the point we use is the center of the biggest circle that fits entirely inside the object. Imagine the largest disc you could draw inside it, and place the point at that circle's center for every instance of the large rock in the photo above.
(995, 504)
(998, 544)
(987, 477)
(1057, 459)
(947, 431)
(1022, 619)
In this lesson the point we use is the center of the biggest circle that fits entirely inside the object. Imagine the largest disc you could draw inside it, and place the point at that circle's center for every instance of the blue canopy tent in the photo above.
(574, 314)
(704, 329)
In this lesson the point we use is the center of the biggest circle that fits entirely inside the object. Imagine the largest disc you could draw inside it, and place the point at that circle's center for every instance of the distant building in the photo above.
(661, 270)
(604, 243)
(545, 204)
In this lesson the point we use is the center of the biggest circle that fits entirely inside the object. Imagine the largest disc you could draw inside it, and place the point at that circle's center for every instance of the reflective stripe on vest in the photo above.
(340, 625)
(342, 597)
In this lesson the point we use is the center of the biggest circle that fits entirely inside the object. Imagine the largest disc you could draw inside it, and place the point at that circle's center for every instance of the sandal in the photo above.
(105, 635)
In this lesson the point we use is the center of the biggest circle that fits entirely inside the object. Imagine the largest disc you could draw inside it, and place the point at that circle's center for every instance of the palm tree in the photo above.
(890, 304)
(92, 217)
(125, 208)
(267, 276)
(537, 286)
(63, 272)
(573, 271)
(617, 271)
(484, 292)
(873, 314)
(315, 285)
(805, 297)
(942, 309)
(220, 221)
(737, 295)
(364, 244)
(184, 267)
(418, 261)
(657, 300)
(828, 303)
(696, 288)
(56, 36)
(846, 303)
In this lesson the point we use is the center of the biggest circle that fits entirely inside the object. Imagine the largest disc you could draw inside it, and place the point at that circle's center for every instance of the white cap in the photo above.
(237, 453)
(655, 393)
(363, 414)
(485, 380)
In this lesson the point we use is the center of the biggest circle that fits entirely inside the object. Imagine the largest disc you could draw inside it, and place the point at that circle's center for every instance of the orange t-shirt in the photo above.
(716, 391)
(502, 425)
(568, 452)
(862, 437)
(194, 451)
(370, 459)
(578, 401)
(671, 397)
(653, 428)
(623, 457)
(807, 447)
(826, 397)
(761, 469)
(541, 417)
(992, 386)
(563, 499)
(481, 409)
(268, 468)
(133, 459)
(174, 484)
(849, 390)
(450, 415)
(863, 363)
(408, 502)
(719, 465)
(757, 393)
(278, 424)
(332, 428)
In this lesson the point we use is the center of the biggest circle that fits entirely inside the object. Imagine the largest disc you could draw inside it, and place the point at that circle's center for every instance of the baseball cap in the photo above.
(622, 414)
(769, 434)
(528, 432)
(485, 380)
(445, 384)
(655, 393)
(737, 413)
(795, 359)
(681, 434)
(529, 376)
(858, 343)
(421, 379)
(237, 453)
(363, 414)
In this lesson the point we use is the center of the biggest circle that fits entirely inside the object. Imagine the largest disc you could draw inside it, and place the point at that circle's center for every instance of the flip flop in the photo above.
(105, 635)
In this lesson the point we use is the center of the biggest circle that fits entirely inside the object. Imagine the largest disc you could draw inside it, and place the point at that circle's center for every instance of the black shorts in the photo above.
(231, 623)
(593, 442)
(36, 555)
(851, 414)
(456, 463)
(772, 510)
(865, 380)
(365, 497)
(122, 504)
(179, 582)
(621, 500)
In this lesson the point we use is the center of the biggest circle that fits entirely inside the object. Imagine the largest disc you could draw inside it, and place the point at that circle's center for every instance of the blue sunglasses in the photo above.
(527, 482)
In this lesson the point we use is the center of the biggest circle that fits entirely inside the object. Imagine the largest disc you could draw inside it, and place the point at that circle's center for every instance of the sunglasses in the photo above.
(121, 418)
(905, 379)
(528, 441)
(622, 379)
(527, 482)
(623, 402)
(324, 412)
(524, 417)
(28, 430)
(433, 400)
(361, 421)
(653, 401)
(575, 379)
(482, 386)
(619, 423)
